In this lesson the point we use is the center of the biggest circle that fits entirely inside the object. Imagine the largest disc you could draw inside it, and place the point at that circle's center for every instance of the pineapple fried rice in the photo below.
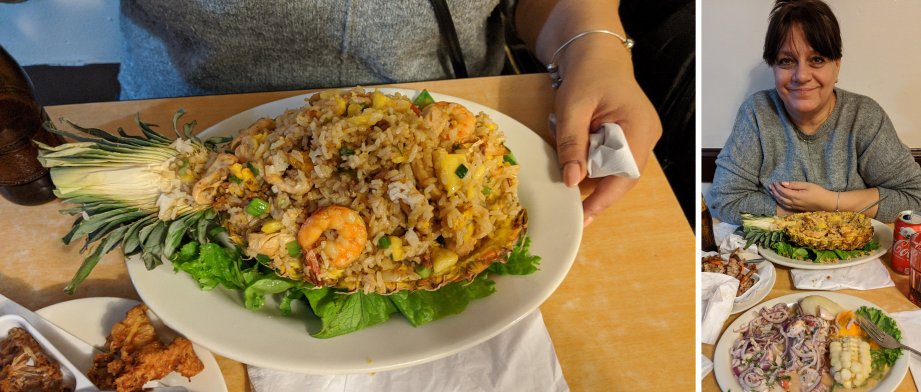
(365, 191)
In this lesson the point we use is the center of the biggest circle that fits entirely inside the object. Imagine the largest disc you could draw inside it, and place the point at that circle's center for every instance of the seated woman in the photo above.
(807, 145)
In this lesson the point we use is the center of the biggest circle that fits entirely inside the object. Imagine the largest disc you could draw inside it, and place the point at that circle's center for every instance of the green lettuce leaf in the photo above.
(882, 357)
(344, 313)
(421, 307)
(211, 265)
(254, 294)
(520, 261)
(786, 249)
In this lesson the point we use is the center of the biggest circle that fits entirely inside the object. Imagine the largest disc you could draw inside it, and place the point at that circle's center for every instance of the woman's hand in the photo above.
(599, 88)
(803, 196)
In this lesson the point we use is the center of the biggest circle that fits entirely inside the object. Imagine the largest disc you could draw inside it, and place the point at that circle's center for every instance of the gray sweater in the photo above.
(195, 47)
(856, 148)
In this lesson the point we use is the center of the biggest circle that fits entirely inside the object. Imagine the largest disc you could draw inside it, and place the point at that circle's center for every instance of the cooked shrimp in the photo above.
(349, 242)
(204, 190)
(450, 120)
(294, 182)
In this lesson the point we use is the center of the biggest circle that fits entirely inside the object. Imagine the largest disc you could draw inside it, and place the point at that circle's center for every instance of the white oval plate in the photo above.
(217, 319)
(721, 361)
(91, 320)
(881, 233)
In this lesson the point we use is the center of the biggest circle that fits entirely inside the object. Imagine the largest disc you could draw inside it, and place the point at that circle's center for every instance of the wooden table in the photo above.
(890, 299)
(623, 318)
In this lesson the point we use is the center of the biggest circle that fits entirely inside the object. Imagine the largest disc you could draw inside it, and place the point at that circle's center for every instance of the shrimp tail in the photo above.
(312, 267)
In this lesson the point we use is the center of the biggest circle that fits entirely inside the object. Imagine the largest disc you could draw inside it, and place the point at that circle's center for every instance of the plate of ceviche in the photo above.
(343, 231)
(808, 342)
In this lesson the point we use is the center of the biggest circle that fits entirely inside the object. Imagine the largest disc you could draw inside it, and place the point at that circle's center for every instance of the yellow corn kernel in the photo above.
(354, 109)
(252, 185)
(246, 174)
(398, 159)
(272, 226)
(442, 260)
(237, 170)
(490, 125)
(396, 248)
(379, 100)
(260, 137)
(340, 105)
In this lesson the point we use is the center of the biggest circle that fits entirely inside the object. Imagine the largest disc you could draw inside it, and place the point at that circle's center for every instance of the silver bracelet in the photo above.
(554, 70)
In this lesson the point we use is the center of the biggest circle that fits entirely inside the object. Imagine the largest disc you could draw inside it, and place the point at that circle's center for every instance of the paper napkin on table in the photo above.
(724, 234)
(520, 359)
(867, 276)
(910, 324)
(718, 293)
(706, 366)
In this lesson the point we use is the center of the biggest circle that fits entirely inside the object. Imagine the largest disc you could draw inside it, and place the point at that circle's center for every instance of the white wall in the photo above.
(881, 59)
(61, 32)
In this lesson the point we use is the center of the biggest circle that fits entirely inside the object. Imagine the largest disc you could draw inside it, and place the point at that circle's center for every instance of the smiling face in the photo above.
(805, 80)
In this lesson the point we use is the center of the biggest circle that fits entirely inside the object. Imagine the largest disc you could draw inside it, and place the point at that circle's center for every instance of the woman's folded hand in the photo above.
(798, 196)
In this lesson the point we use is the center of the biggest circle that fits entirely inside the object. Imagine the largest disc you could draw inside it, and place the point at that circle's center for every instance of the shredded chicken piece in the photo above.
(136, 355)
(734, 267)
(24, 366)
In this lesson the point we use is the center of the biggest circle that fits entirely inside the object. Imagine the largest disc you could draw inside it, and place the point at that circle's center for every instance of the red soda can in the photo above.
(914, 279)
(907, 224)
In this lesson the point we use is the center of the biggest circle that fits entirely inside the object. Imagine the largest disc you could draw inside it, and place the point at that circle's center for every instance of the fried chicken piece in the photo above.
(24, 366)
(136, 355)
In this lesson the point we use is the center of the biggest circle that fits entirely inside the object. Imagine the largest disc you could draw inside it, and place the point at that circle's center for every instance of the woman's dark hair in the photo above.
(818, 23)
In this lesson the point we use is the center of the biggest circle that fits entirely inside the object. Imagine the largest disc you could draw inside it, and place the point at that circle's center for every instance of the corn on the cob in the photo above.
(850, 361)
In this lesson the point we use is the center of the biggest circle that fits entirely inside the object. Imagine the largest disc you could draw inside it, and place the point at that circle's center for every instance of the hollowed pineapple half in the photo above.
(818, 230)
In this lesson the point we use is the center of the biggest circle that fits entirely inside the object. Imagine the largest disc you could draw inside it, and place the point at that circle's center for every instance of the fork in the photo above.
(880, 336)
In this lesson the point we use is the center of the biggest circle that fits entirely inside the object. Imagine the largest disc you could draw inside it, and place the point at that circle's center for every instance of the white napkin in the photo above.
(724, 234)
(910, 324)
(867, 276)
(723, 230)
(706, 366)
(718, 293)
(608, 152)
(764, 273)
(520, 359)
